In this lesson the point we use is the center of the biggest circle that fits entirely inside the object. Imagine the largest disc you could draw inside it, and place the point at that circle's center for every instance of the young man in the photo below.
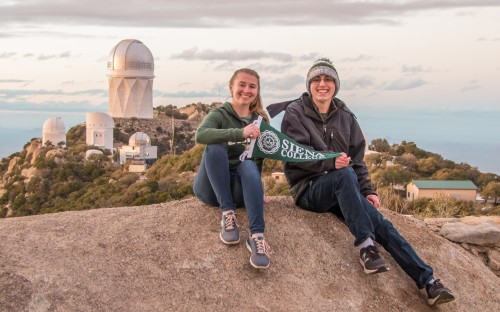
(322, 122)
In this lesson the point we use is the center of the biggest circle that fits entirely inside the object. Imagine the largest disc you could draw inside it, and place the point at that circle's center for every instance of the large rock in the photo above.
(482, 234)
(494, 259)
(13, 163)
(29, 173)
(168, 257)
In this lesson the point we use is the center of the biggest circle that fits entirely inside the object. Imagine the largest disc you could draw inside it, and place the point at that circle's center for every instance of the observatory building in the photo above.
(54, 131)
(99, 130)
(130, 76)
(139, 151)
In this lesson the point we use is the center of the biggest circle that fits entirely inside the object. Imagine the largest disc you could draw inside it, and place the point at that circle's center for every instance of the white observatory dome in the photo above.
(139, 139)
(100, 120)
(99, 130)
(54, 124)
(130, 58)
(54, 131)
(130, 77)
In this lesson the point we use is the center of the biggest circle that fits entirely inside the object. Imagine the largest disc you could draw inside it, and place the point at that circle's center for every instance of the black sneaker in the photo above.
(229, 233)
(371, 260)
(437, 293)
(260, 252)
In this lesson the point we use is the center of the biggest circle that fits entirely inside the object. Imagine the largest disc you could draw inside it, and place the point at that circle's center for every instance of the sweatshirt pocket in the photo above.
(338, 141)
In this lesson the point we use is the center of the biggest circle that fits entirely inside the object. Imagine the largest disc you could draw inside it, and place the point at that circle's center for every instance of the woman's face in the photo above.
(244, 89)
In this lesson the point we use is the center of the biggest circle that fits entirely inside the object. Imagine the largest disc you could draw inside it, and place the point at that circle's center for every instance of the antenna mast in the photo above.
(172, 149)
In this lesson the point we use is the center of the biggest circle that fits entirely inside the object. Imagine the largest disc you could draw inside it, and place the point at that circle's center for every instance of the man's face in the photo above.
(322, 89)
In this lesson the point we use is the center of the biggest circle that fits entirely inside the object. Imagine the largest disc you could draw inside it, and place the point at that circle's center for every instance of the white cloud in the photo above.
(471, 85)
(43, 57)
(230, 55)
(221, 13)
(358, 58)
(12, 81)
(357, 83)
(284, 83)
(411, 69)
(403, 84)
(7, 55)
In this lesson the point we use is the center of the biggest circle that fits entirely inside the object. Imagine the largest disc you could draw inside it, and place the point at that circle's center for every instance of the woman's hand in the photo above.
(251, 131)
(342, 161)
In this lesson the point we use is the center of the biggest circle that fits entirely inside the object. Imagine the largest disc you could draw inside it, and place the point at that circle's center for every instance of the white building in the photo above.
(130, 76)
(139, 149)
(99, 130)
(54, 131)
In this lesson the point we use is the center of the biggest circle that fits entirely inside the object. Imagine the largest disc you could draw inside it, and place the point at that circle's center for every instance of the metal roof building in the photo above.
(459, 189)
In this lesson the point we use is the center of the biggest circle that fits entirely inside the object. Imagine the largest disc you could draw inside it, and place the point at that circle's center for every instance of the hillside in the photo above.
(168, 257)
(45, 178)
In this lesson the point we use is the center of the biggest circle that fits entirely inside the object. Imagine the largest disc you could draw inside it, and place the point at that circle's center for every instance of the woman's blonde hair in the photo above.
(256, 106)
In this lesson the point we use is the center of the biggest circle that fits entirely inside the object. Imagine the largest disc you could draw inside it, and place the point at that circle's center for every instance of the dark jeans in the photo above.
(338, 192)
(216, 185)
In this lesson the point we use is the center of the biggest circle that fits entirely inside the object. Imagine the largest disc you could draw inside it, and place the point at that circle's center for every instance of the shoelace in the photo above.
(372, 252)
(437, 284)
(230, 221)
(261, 245)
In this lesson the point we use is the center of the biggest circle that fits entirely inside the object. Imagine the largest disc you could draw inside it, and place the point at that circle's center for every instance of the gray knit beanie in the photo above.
(323, 66)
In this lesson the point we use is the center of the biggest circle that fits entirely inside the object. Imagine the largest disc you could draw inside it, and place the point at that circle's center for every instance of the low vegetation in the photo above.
(393, 167)
(58, 178)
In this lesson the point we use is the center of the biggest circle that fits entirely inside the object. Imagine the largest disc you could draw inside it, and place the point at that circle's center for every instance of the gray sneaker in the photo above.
(229, 233)
(260, 252)
(438, 294)
(371, 260)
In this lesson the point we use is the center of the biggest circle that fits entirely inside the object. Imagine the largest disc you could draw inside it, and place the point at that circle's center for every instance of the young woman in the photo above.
(225, 181)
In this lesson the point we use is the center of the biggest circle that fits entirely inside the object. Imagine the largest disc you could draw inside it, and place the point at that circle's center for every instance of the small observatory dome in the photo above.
(99, 120)
(99, 130)
(130, 77)
(139, 139)
(54, 131)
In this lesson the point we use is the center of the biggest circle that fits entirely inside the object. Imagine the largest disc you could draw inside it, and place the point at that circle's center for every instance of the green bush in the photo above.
(441, 207)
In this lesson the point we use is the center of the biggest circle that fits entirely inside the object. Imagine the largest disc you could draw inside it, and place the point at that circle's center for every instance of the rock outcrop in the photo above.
(479, 235)
(168, 257)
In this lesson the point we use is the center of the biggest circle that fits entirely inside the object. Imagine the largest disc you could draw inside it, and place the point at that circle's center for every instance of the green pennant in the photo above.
(275, 145)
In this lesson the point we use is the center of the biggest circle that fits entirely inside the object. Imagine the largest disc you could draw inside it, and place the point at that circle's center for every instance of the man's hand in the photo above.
(342, 161)
(374, 200)
(267, 200)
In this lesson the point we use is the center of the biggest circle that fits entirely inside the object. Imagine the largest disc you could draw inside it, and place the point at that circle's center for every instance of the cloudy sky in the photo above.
(422, 71)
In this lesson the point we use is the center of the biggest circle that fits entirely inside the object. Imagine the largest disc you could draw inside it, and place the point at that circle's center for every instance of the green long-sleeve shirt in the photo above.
(223, 125)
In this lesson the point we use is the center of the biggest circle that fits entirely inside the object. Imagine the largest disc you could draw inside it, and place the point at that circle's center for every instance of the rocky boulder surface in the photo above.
(168, 257)
(479, 235)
